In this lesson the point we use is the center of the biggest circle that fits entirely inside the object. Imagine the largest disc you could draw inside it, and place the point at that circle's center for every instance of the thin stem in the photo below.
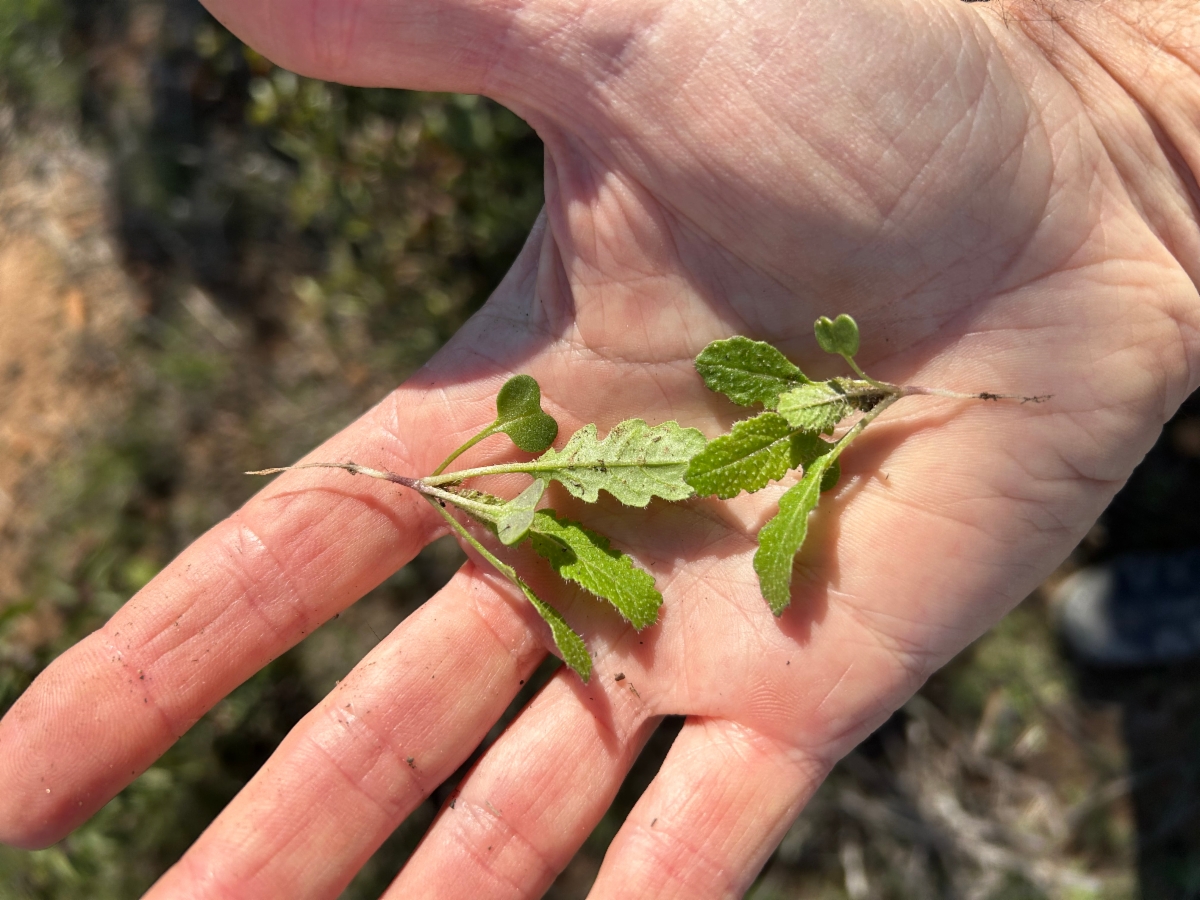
(477, 508)
(528, 468)
(909, 390)
(504, 569)
(862, 423)
(502, 469)
(485, 512)
(863, 375)
(487, 432)
(352, 468)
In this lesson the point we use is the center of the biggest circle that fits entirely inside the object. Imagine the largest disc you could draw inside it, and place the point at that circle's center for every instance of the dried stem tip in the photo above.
(351, 467)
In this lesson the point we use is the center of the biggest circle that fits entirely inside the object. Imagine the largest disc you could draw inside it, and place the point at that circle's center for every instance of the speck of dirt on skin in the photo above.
(409, 760)
(452, 802)
(522, 681)
(652, 821)
(620, 676)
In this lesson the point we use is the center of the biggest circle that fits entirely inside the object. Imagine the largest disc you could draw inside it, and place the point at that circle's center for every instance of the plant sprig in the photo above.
(635, 462)
(799, 414)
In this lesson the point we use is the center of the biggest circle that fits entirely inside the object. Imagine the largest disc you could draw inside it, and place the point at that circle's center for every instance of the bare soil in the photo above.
(66, 309)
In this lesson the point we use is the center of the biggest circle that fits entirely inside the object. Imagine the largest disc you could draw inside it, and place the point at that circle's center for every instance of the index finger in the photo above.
(253, 586)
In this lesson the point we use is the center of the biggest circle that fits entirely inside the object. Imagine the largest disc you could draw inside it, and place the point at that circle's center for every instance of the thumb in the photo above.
(495, 47)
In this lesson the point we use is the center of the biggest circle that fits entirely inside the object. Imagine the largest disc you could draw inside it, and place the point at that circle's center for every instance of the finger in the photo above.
(439, 46)
(520, 815)
(307, 547)
(712, 816)
(245, 592)
(352, 769)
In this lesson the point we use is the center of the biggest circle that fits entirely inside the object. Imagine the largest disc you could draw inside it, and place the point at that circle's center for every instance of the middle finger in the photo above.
(351, 770)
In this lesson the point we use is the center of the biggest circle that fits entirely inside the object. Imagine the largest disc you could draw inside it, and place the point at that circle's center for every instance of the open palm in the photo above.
(711, 169)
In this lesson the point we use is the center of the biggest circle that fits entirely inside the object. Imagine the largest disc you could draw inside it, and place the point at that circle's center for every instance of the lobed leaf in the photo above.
(838, 335)
(815, 407)
(747, 371)
(570, 645)
(781, 539)
(516, 515)
(634, 462)
(585, 557)
(519, 415)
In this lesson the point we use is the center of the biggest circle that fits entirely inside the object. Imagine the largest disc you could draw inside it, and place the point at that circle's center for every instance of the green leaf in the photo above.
(838, 335)
(517, 514)
(634, 462)
(585, 557)
(832, 475)
(756, 452)
(747, 371)
(570, 645)
(519, 415)
(816, 406)
(781, 539)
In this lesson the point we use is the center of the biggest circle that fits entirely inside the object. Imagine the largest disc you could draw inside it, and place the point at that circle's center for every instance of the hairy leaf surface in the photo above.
(519, 415)
(747, 371)
(756, 452)
(782, 537)
(570, 645)
(815, 407)
(634, 462)
(585, 557)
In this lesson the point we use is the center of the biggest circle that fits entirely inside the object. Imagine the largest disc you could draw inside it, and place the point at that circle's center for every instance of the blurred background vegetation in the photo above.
(227, 263)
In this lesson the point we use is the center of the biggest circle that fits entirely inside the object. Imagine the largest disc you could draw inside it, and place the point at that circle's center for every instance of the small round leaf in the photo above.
(519, 415)
(838, 335)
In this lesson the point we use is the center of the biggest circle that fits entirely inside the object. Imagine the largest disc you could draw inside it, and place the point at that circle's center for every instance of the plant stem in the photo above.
(487, 432)
(352, 468)
(485, 512)
(862, 423)
(910, 390)
(477, 508)
(503, 568)
(863, 375)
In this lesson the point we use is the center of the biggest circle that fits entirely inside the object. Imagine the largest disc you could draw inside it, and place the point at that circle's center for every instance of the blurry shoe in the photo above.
(1136, 610)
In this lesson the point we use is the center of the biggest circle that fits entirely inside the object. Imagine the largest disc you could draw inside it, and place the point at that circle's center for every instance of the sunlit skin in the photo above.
(1001, 194)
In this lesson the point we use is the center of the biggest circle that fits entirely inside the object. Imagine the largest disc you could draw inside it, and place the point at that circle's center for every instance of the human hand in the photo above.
(976, 191)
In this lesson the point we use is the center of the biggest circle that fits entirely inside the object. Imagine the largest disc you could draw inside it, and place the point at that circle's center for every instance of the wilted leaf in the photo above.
(747, 371)
(634, 462)
(585, 557)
